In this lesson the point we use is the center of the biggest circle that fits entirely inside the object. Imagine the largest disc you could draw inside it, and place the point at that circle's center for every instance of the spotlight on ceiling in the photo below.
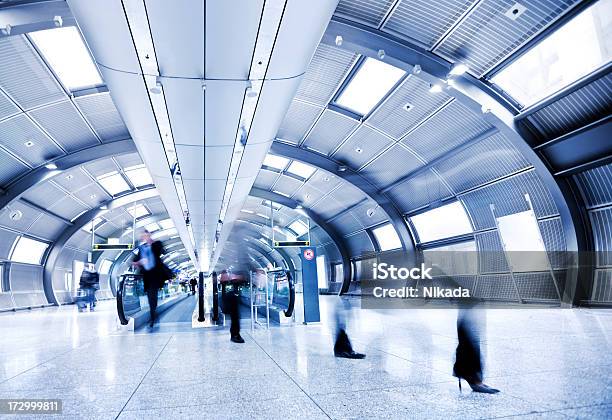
(342, 168)
(339, 40)
(416, 69)
(51, 166)
(381, 54)
(458, 69)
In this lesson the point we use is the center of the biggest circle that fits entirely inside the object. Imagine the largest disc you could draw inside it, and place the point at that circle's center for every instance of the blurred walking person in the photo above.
(88, 283)
(343, 347)
(153, 270)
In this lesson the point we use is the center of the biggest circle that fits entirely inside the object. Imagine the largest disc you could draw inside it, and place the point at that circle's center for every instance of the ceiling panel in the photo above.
(16, 132)
(191, 160)
(65, 125)
(93, 195)
(369, 12)
(44, 195)
(47, 227)
(7, 107)
(361, 147)
(298, 120)
(23, 75)
(29, 215)
(68, 208)
(391, 166)
(10, 168)
(406, 107)
(287, 185)
(101, 113)
(329, 131)
(73, 179)
(422, 190)
(265, 179)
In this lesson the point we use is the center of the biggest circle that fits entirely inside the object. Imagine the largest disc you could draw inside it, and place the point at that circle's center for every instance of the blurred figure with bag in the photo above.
(88, 284)
(153, 270)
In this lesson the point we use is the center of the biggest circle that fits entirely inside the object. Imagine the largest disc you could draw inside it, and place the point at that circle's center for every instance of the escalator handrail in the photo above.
(289, 312)
(122, 318)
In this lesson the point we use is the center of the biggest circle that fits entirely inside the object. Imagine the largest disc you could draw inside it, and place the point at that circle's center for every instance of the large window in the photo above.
(77, 270)
(442, 222)
(454, 259)
(29, 251)
(113, 183)
(387, 238)
(322, 272)
(369, 85)
(66, 53)
(138, 175)
(2, 278)
(580, 46)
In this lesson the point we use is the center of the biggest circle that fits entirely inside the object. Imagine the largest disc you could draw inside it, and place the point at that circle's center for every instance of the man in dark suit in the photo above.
(148, 258)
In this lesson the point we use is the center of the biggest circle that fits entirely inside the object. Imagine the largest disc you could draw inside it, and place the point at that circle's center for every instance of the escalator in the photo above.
(173, 302)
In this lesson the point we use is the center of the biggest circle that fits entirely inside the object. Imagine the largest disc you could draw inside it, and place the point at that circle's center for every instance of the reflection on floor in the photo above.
(547, 362)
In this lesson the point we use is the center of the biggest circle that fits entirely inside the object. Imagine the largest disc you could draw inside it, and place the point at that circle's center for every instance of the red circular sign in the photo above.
(308, 254)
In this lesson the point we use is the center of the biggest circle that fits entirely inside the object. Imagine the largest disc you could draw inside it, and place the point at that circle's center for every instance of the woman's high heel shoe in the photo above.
(482, 388)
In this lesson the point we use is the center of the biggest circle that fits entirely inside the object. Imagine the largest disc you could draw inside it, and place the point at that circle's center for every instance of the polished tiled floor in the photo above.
(549, 363)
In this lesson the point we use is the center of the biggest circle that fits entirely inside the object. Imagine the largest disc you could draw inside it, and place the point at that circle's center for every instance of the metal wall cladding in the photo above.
(68, 208)
(602, 287)
(7, 239)
(536, 286)
(583, 106)
(10, 168)
(491, 255)
(26, 278)
(508, 196)
(6, 301)
(485, 161)
(448, 129)
(496, 287)
(101, 113)
(326, 70)
(329, 131)
(361, 213)
(7, 107)
(29, 215)
(45, 194)
(287, 185)
(298, 120)
(369, 12)
(554, 240)
(47, 227)
(23, 138)
(390, 166)
(601, 223)
(265, 179)
(420, 191)
(80, 240)
(426, 21)
(596, 185)
(346, 224)
(332, 253)
(24, 76)
(406, 107)
(487, 36)
(361, 147)
(359, 244)
(328, 207)
(65, 125)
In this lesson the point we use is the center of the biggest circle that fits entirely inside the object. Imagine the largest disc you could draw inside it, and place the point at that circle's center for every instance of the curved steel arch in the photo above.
(357, 180)
(347, 269)
(69, 161)
(481, 98)
(60, 242)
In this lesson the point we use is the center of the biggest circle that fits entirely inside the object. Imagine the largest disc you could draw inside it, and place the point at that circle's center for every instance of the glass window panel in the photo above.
(369, 85)
(387, 238)
(454, 259)
(29, 251)
(300, 169)
(442, 222)
(66, 53)
(138, 211)
(277, 162)
(574, 50)
(113, 183)
(139, 175)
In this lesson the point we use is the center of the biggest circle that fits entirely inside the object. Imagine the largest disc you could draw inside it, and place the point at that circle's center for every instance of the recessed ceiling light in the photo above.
(515, 11)
(92, 196)
(326, 179)
(51, 166)
(307, 196)
(69, 177)
(358, 150)
(29, 143)
(407, 107)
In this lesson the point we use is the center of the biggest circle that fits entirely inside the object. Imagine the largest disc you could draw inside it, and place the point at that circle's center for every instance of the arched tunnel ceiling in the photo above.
(442, 148)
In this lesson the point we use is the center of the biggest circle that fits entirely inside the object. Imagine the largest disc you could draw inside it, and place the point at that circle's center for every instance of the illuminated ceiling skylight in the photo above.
(113, 183)
(138, 211)
(298, 227)
(369, 85)
(300, 169)
(442, 222)
(276, 162)
(152, 227)
(574, 50)
(387, 238)
(138, 175)
(66, 53)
